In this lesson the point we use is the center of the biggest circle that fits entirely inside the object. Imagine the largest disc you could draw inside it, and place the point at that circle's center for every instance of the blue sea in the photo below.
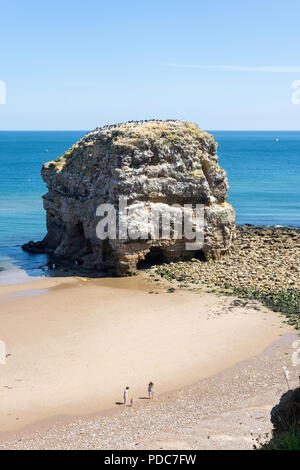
(263, 170)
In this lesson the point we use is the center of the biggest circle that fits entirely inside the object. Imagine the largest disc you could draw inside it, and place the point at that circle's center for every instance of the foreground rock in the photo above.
(154, 164)
(285, 418)
(286, 415)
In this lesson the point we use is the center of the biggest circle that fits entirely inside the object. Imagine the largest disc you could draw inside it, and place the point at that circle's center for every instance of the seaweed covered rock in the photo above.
(153, 164)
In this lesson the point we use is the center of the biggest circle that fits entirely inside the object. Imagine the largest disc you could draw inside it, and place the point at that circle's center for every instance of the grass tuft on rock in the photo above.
(288, 440)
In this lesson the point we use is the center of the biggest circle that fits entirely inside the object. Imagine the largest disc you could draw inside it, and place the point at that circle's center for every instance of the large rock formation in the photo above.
(154, 164)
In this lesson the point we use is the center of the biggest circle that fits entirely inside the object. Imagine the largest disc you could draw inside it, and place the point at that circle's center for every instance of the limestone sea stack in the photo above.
(154, 164)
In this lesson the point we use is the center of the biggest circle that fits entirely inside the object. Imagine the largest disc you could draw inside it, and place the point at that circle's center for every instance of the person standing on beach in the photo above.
(150, 390)
(125, 395)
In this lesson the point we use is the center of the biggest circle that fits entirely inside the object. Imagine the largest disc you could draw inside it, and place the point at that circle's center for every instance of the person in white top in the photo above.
(125, 395)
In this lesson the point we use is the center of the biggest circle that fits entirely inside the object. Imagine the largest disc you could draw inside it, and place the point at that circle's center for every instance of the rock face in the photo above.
(154, 164)
(286, 415)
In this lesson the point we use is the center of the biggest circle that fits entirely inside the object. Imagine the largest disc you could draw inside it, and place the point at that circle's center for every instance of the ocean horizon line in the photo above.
(206, 130)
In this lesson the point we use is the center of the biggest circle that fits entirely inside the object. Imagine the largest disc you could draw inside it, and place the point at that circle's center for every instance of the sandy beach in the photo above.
(228, 411)
(73, 344)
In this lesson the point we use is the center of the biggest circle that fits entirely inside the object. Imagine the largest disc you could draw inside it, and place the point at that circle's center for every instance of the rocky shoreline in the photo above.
(262, 264)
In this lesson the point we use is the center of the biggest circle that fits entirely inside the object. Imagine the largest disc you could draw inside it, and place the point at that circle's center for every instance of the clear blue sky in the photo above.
(81, 64)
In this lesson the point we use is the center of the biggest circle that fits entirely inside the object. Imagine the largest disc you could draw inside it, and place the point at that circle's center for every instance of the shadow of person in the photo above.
(119, 403)
(143, 398)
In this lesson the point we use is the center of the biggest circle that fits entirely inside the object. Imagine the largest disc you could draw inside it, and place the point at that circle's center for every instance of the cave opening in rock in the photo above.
(199, 255)
(154, 257)
(77, 238)
(80, 229)
(106, 251)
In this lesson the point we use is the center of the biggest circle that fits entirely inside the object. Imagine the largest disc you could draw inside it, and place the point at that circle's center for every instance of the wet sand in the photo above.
(74, 346)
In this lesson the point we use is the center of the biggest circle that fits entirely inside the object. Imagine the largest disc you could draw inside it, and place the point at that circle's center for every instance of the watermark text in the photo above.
(144, 221)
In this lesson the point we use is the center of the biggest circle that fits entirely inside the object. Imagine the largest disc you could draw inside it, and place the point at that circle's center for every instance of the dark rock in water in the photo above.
(154, 164)
(35, 247)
